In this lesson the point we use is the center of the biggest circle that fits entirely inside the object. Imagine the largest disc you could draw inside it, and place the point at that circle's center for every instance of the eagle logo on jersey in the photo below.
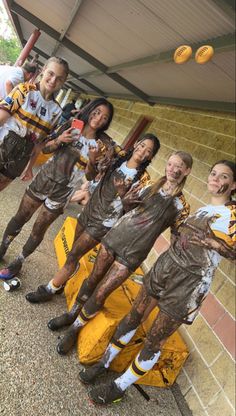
(33, 104)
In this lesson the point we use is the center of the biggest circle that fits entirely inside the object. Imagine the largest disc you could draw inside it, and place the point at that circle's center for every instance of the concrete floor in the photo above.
(35, 380)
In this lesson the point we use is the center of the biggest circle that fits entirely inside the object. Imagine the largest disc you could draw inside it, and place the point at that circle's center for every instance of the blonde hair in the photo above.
(59, 61)
(188, 161)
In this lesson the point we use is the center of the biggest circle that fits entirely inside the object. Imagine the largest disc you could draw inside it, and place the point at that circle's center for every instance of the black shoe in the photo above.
(88, 375)
(65, 319)
(68, 341)
(41, 295)
(106, 393)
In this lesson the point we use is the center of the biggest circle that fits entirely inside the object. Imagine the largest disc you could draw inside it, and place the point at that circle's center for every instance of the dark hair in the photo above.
(154, 139)
(87, 109)
(143, 166)
(30, 67)
(231, 165)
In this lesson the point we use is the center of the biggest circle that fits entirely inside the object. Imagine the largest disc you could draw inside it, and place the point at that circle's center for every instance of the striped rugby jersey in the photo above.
(31, 114)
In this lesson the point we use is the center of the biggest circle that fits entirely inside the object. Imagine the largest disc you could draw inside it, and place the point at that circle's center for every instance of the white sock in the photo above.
(83, 318)
(136, 370)
(115, 347)
(52, 288)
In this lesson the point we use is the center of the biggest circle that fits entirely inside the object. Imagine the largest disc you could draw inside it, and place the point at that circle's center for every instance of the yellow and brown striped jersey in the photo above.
(31, 114)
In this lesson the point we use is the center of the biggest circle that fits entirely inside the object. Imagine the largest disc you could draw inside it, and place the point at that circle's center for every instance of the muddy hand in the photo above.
(94, 153)
(131, 197)
(122, 186)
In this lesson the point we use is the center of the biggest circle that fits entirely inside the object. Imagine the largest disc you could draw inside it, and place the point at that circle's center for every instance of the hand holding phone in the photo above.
(77, 126)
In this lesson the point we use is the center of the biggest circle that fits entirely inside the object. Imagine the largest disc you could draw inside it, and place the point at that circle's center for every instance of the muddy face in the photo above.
(220, 180)
(143, 151)
(99, 117)
(176, 169)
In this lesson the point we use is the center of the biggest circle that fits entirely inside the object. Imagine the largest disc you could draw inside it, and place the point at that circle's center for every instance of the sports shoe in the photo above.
(41, 295)
(6, 274)
(106, 393)
(68, 341)
(88, 375)
(11, 271)
(65, 319)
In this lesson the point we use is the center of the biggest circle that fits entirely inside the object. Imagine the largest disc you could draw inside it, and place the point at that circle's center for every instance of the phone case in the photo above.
(77, 126)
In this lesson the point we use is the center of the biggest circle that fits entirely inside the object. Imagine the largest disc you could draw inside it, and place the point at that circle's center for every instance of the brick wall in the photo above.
(207, 380)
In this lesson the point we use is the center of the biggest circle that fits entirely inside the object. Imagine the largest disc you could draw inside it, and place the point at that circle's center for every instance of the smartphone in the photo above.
(77, 126)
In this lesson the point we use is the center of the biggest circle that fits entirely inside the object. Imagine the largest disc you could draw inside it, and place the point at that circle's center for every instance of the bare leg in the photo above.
(103, 261)
(44, 220)
(115, 276)
(42, 223)
(162, 328)
(123, 334)
(4, 181)
(27, 208)
(81, 246)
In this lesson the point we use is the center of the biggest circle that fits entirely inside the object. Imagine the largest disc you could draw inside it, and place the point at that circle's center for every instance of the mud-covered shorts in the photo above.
(95, 229)
(54, 195)
(175, 288)
(15, 152)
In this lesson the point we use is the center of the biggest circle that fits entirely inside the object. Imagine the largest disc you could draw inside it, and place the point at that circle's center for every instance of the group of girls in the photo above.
(125, 213)
(73, 157)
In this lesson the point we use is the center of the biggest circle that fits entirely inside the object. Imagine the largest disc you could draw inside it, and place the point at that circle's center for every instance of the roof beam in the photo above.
(68, 24)
(224, 106)
(16, 8)
(220, 44)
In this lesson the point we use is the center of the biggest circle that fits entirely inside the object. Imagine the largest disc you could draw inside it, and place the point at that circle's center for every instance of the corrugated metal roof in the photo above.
(132, 34)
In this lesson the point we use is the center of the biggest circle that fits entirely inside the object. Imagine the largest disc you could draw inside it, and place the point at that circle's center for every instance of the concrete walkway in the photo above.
(35, 380)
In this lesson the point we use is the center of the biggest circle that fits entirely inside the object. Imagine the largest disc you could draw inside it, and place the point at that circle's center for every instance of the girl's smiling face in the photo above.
(99, 117)
(221, 181)
(53, 77)
(176, 169)
(143, 150)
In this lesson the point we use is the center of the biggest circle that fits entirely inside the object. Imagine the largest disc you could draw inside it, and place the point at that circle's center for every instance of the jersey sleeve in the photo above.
(227, 231)
(16, 98)
(182, 214)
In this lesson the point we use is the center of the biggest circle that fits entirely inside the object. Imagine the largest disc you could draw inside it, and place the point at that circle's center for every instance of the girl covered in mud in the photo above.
(178, 283)
(103, 209)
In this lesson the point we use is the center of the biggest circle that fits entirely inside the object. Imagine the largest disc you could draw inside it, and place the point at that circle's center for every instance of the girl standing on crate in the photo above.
(178, 283)
(103, 210)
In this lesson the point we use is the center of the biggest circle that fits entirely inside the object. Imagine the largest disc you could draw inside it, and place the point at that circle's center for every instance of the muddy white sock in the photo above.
(83, 318)
(52, 288)
(136, 370)
(115, 347)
